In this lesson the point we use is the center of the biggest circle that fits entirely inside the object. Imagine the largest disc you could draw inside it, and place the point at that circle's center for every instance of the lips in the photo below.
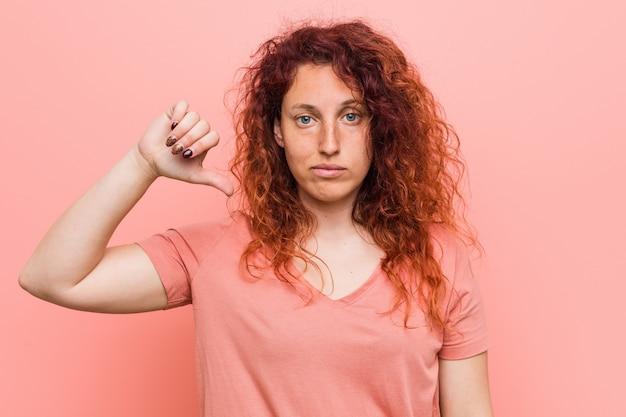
(328, 166)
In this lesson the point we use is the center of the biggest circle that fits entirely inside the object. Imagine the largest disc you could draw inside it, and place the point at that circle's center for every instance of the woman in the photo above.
(342, 158)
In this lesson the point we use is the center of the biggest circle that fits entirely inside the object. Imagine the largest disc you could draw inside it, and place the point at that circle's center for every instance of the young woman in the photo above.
(343, 163)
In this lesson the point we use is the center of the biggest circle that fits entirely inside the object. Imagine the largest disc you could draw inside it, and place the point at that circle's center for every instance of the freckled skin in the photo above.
(334, 134)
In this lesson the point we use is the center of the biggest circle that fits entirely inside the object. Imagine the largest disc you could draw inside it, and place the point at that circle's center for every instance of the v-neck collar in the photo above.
(346, 299)
(317, 294)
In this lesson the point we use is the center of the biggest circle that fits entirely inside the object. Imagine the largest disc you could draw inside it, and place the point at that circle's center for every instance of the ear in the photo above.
(278, 134)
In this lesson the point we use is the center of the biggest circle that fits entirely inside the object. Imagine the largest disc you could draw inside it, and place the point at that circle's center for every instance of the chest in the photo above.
(267, 319)
(343, 270)
(269, 323)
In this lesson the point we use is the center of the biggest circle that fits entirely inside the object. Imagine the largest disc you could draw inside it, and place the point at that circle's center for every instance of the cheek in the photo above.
(299, 151)
(297, 161)
(365, 156)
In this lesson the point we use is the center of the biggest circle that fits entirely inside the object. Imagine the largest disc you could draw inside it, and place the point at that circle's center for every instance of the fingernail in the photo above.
(171, 140)
(187, 153)
(177, 148)
(174, 123)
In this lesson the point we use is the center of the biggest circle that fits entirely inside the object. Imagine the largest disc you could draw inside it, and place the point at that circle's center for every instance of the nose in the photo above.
(329, 142)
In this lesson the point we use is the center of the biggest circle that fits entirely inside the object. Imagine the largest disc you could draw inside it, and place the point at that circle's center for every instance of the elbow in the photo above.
(26, 284)
(33, 286)
(22, 281)
(23, 278)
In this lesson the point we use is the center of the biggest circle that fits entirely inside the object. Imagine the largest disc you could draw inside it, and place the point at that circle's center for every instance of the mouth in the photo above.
(327, 172)
(328, 166)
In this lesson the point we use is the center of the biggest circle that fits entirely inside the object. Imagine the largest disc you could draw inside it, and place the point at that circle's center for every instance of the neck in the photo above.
(334, 219)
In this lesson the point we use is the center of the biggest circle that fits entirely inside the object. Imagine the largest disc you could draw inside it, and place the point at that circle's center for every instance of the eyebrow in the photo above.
(314, 109)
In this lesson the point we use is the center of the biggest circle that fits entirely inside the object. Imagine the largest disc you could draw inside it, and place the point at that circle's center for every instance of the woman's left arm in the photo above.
(464, 387)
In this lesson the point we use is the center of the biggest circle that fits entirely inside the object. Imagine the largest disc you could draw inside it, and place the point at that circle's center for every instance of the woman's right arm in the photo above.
(75, 246)
(72, 265)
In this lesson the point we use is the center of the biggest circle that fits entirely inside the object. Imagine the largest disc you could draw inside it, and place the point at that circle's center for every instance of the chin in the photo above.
(330, 196)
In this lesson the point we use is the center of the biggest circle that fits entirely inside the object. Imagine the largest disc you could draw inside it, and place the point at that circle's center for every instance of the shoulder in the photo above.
(453, 255)
(446, 243)
(202, 235)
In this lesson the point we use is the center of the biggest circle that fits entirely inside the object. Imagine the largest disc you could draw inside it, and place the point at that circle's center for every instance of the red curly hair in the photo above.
(408, 188)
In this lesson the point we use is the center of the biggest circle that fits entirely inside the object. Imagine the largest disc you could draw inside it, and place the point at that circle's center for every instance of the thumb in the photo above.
(213, 179)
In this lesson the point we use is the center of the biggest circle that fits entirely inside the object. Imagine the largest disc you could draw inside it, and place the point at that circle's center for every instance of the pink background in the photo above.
(535, 90)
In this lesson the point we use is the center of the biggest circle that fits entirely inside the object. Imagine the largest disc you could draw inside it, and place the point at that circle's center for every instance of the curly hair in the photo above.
(408, 189)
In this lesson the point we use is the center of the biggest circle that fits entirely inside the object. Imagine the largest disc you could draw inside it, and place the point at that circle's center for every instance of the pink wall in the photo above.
(535, 90)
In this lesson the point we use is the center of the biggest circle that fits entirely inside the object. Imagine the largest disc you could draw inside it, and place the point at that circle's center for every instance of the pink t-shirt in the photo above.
(261, 352)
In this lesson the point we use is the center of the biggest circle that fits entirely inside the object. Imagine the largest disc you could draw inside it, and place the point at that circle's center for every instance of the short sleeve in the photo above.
(175, 261)
(465, 313)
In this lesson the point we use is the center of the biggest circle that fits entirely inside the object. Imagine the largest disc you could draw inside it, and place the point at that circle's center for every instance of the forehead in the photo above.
(319, 84)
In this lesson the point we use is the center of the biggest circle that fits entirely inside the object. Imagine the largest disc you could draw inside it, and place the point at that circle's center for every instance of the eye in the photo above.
(305, 119)
(303, 116)
(354, 114)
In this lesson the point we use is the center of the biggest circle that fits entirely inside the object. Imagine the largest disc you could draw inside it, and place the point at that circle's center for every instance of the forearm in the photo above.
(76, 242)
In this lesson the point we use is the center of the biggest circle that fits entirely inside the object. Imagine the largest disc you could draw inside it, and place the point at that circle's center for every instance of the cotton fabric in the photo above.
(261, 352)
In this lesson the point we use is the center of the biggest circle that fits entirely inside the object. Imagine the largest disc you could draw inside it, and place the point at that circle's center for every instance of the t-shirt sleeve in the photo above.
(174, 259)
(465, 313)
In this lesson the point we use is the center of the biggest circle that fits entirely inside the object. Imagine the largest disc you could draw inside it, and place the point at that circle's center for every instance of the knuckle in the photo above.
(201, 143)
(207, 141)
(203, 124)
(213, 137)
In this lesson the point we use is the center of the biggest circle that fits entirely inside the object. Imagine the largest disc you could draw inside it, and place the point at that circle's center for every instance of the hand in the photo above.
(193, 133)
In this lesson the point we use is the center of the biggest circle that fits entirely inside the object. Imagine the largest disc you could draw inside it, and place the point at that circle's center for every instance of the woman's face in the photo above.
(318, 126)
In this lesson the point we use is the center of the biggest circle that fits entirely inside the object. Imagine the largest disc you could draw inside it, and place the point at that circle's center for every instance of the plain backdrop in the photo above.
(535, 90)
